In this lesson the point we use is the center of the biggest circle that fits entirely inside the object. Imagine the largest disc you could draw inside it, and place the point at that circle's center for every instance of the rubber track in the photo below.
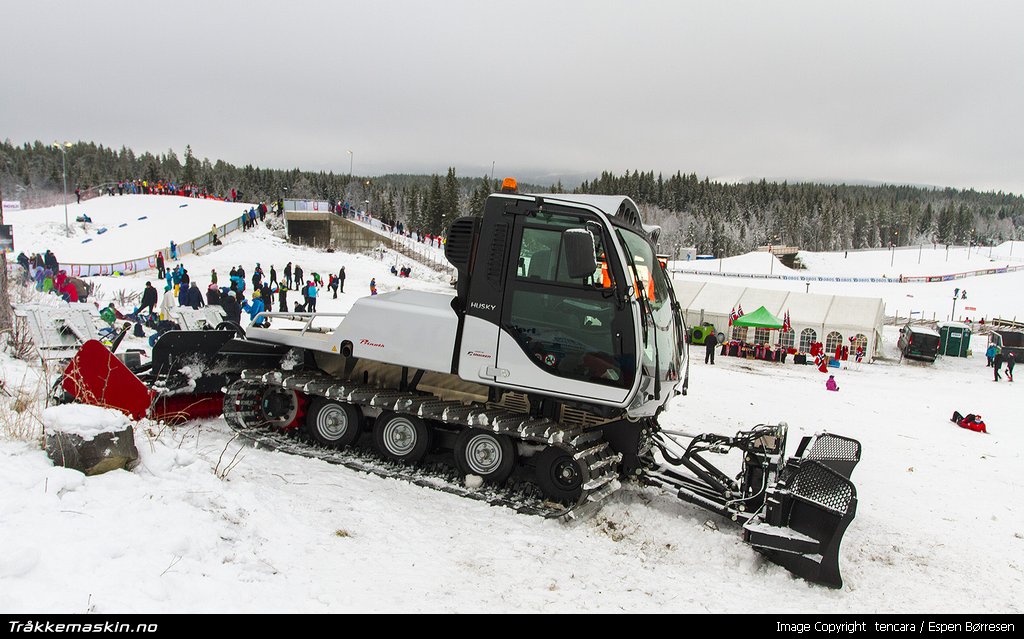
(599, 462)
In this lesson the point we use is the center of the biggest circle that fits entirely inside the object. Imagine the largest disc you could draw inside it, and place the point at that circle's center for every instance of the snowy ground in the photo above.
(938, 528)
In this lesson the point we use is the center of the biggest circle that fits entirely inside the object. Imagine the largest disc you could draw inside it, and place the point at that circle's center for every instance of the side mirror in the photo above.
(578, 247)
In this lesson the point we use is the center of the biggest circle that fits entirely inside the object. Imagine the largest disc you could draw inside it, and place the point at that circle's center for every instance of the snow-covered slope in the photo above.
(167, 217)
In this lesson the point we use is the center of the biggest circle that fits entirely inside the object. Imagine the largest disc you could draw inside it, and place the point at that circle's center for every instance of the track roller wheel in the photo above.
(487, 455)
(282, 408)
(403, 438)
(333, 424)
(559, 476)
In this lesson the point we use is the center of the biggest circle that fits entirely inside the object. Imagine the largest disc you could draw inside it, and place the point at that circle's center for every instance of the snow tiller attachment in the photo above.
(793, 511)
(182, 382)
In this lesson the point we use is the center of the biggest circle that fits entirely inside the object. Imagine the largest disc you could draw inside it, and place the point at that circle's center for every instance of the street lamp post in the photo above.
(349, 181)
(64, 173)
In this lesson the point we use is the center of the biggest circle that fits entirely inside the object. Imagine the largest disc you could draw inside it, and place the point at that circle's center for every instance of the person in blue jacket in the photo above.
(183, 295)
(990, 353)
(255, 308)
(239, 283)
(311, 305)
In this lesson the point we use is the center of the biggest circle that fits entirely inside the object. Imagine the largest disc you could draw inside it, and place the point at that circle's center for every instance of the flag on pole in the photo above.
(732, 316)
(786, 325)
(739, 313)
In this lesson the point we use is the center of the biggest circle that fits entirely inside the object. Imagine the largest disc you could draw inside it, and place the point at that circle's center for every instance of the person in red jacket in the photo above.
(970, 422)
(69, 292)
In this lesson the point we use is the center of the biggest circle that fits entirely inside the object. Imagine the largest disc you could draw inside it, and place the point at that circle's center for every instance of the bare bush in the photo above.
(18, 340)
(125, 298)
(21, 412)
(222, 472)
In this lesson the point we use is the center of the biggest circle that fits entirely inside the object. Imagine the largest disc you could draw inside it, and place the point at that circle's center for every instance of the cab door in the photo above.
(573, 338)
(477, 346)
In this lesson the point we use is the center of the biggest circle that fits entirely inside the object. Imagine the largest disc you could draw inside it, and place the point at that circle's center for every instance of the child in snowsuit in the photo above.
(831, 383)
(970, 422)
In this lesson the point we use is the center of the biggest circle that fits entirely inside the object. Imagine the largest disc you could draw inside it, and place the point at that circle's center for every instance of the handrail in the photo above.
(306, 318)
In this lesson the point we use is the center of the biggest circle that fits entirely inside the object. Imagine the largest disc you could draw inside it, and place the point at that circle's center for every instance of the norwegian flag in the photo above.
(786, 325)
(733, 316)
(739, 313)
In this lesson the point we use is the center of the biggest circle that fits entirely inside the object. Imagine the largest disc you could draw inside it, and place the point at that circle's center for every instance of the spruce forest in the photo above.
(717, 218)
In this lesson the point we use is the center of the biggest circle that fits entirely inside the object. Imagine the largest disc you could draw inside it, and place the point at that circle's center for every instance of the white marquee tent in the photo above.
(830, 319)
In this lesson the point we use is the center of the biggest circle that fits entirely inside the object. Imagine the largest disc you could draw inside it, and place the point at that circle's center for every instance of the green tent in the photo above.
(760, 318)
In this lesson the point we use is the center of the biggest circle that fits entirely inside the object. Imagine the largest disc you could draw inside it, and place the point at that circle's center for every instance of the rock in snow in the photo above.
(90, 439)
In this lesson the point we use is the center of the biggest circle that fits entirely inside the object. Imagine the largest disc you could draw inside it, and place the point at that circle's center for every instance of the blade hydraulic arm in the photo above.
(792, 511)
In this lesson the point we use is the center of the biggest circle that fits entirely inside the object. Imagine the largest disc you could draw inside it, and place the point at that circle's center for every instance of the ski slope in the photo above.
(166, 218)
(938, 526)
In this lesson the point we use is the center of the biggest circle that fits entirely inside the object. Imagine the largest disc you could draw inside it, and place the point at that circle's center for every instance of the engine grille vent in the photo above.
(496, 258)
(580, 418)
(458, 249)
(517, 402)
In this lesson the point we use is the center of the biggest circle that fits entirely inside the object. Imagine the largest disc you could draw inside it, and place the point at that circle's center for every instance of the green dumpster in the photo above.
(956, 339)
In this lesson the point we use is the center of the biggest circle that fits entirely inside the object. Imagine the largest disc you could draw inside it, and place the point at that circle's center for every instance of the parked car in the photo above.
(919, 342)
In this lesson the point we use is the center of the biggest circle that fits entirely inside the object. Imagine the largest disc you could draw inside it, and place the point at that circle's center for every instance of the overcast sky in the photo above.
(901, 92)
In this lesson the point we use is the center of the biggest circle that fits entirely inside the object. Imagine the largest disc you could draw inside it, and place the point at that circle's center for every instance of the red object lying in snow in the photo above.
(97, 378)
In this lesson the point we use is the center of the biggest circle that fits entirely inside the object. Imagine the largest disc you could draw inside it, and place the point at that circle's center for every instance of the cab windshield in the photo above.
(651, 284)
